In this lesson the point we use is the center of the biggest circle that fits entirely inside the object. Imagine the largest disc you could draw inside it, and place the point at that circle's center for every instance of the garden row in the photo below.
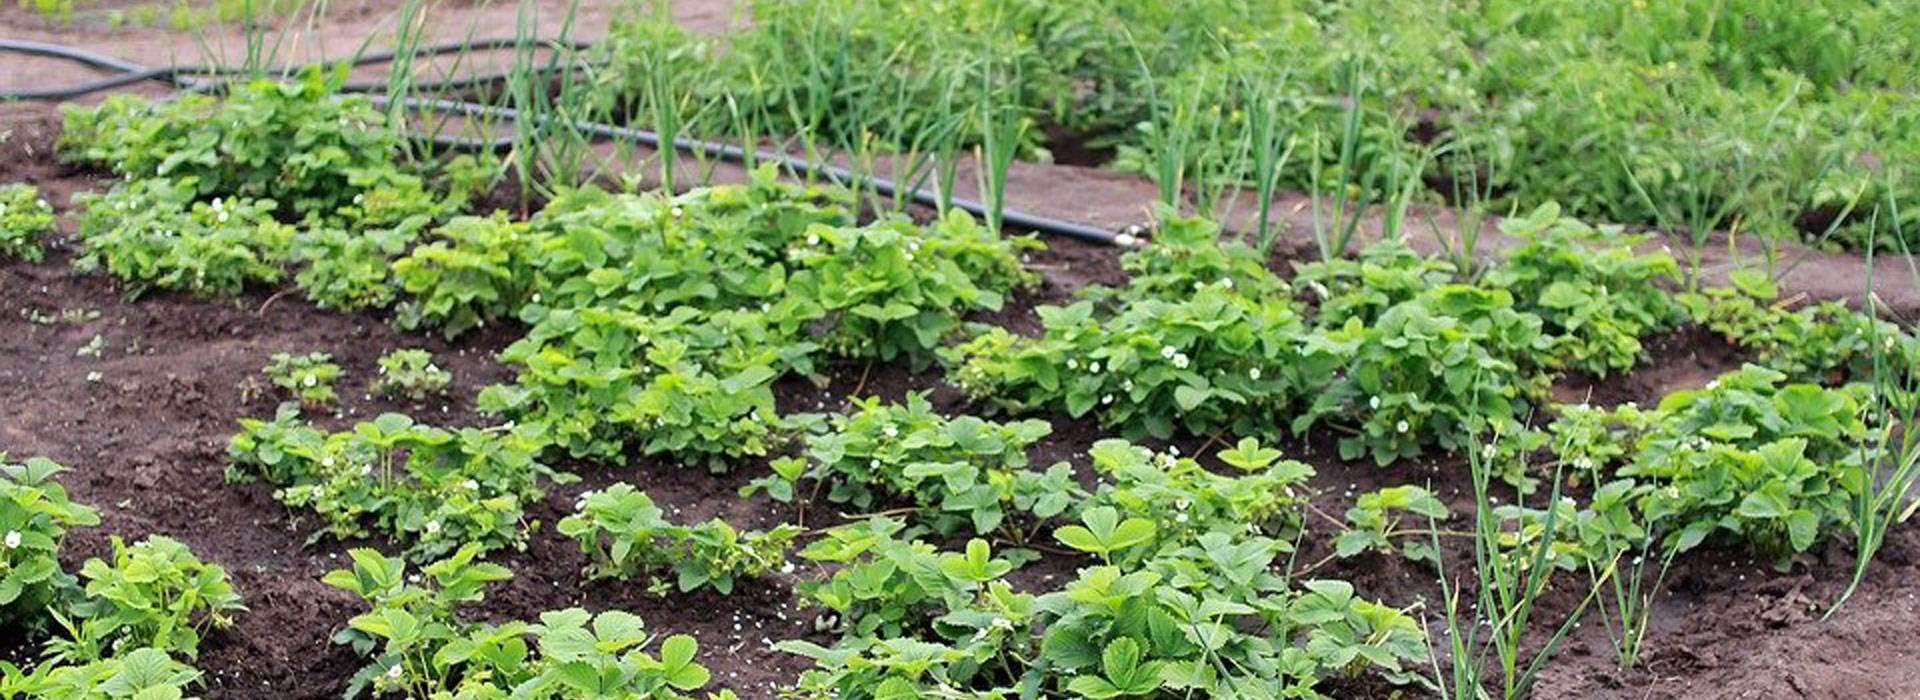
(658, 324)
(1783, 119)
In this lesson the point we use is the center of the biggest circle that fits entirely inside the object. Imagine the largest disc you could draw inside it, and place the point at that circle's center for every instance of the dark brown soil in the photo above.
(144, 427)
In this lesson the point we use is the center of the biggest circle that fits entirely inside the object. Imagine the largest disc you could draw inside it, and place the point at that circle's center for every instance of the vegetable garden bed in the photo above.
(813, 450)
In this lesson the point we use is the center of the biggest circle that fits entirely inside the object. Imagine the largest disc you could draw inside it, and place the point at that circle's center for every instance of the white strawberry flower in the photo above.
(13, 539)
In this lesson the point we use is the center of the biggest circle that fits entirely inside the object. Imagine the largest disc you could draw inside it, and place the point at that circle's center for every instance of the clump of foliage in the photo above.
(472, 271)
(1825, 343)
(411, 372)
(24, 218)
(960, 471)
(1184, 599)
(598, 379)
(153, 594)
(138, 673)
(625, 535)
(154, 233)
(431, 488)
(1188, 253)
(1595, 296)
(299, 145)
(350, 271)
(920, 621)
(307, 378)
(895, 290)
(419, 646)
(1430, 370)
(714, 248)
(35, 515)
(1749, 459)
(1184, 500)
(124, 632)
(1374, 523)
(1214, 361)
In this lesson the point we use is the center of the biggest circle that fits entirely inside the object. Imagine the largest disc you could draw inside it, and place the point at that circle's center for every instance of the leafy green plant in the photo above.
(24, 218)
(624, 535)
(1184, 501)
(1752, 459)
(895, 290)
(1210, 618)
(1214, 361)
(472, 270)
(1374, 523)
(715, 248)
(889, 586)
(1825, 343)
(151, 233)
(411, 372)
(350, 271)
(1429, 370)
(1188, 253)
(307, 378)
(297, 145)
(1383, 275)
(147, 673)
(1595, 296)
(420, 647)
(435, 489)
(155, 594)
(955, 472)
(35, 515)
(597, 380)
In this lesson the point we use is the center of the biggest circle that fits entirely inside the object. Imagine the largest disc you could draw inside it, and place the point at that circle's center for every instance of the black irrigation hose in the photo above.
(187, 77)
(184, 77)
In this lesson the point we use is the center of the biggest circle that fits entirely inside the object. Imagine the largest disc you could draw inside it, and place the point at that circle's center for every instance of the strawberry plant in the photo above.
(624, 535)
(1429, 370)
(895, 290)
(1188, 253)
(1213, 361)
(411, 372)
(1748, 459)
(155, 593)
(146, 673)
(1824, 343)
(1182, 500)
(597, 380)
(1595, 296)
(297, 145)
(350, 271)
(1374, 523)
(433, 489)
(888, 586)
(1205, 618)
(421, 648)
(24, 218)
(307, 378)
(151, 233)
(715, 248)
(472, 270)
(954, 471)
(1385, 274)
(35, 515)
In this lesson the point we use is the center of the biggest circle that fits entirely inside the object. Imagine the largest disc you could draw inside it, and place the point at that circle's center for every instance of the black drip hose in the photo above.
(191, 78)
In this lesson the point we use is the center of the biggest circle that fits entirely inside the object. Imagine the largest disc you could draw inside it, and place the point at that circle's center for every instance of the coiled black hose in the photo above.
(193, 78)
